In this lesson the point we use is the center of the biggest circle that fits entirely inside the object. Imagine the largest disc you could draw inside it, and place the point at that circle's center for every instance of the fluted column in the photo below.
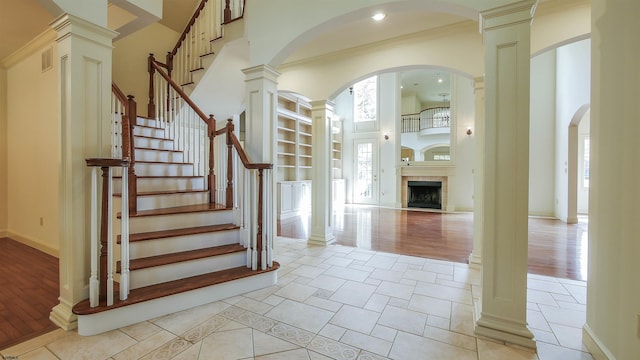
(321, 190)
(503, 309)
(84, 60)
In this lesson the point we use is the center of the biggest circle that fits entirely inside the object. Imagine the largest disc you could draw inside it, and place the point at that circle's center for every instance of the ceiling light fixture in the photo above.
(378, 16)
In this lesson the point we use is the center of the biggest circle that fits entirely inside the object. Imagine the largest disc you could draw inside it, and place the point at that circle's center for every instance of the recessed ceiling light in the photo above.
(440, 80)
(378, 16)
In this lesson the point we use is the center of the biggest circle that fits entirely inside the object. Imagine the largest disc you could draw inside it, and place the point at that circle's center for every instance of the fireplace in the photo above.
(424, 194)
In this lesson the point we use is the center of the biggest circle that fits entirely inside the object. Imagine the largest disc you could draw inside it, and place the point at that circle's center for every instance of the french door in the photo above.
(365, 184)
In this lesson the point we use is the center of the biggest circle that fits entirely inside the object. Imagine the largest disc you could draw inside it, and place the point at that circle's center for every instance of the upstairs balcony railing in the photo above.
(437, 117)
(195, 43)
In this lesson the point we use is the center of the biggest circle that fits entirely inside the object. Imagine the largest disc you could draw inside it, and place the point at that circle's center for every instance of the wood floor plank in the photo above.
(28, 291)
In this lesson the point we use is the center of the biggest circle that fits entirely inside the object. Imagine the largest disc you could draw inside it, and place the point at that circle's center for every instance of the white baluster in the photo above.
(94, 283)
(110, 239)
(124, 237)
(254, 226)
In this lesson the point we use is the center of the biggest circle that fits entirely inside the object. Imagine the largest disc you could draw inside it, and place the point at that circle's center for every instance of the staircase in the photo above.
(184, 251)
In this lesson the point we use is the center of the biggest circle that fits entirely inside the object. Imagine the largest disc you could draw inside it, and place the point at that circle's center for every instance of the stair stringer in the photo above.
(116, 318)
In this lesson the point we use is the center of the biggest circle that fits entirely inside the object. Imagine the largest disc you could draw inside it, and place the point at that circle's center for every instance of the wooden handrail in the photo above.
(242, 154)
(118, 93)
(192, 21)
(155, 65)
(431, 108)
(127, 126)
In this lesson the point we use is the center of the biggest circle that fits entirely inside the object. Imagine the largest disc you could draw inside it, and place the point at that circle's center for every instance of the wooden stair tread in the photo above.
(162, 162)
(153, 137)
(180, 232)
(171, 288)
(172, 258)
(168, 192)
(154, 149)
(179, 210)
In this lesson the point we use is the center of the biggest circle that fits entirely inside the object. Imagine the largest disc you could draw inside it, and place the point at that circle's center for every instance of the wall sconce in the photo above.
(469, 132)
(386, 136)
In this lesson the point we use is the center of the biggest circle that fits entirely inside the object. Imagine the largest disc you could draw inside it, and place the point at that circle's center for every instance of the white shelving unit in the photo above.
(293, 165)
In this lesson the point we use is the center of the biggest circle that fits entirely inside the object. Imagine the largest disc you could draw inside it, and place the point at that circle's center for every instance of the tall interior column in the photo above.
(503, 308)
(612, 330)
(84, 59)
(478, 174)
(321, 190)
(260, 121)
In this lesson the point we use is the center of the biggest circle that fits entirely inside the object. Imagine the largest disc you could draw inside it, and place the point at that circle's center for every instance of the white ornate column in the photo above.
(84, 59)
(478, 174)
(503, 309)
(321, 190)
(261, 99)
(261, 105)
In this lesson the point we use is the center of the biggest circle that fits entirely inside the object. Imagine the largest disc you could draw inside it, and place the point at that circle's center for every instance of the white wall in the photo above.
(542, 146)
(573, 85)
(463, 104)
(410, 104)
(3, 151)
(130, 60)
(33, 151)
(389, 117)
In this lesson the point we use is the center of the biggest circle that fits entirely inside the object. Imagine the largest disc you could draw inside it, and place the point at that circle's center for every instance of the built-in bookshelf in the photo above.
(336, 149)
(293, 138)
(293, 164)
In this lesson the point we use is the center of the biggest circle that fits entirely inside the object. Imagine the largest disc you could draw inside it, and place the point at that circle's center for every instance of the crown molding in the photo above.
(47, 37)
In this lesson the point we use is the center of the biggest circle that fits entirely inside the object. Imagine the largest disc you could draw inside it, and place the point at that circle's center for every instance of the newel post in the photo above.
(151, 108)
(211, 179)
(227, 11)
(229, 199)
(132, 111)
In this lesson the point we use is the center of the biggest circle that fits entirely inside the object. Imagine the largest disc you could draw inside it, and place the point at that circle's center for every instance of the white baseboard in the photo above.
(595, 346)
(33, 243)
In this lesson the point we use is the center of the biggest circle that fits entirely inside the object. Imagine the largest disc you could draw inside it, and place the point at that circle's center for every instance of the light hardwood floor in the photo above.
(555, 248)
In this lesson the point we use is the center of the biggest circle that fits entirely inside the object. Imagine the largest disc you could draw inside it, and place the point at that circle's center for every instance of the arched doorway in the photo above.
(577, 164)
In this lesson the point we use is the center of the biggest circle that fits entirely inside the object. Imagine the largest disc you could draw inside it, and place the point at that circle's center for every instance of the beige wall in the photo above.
(33, 152)
(3, 151)
(130, 60)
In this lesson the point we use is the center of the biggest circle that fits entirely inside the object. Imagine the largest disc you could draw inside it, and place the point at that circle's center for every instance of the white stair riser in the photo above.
(197, 75)
(153, 143)
(164, 184)
(158, 155)
(206, 61)
(147, 131)
(148, 122)
(149, 202)
(128, 315)
(146, 248)
(141, 224)
(162, 169)
(160, 274)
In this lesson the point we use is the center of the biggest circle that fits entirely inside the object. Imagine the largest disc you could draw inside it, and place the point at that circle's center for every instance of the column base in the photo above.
(475, 261)
(504, 330)
(321, 240)
(62, 316)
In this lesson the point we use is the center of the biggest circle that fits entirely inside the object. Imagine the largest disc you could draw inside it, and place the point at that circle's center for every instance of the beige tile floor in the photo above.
(339, 302)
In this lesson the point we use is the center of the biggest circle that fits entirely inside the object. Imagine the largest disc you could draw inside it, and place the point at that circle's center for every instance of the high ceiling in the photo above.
(23, 20)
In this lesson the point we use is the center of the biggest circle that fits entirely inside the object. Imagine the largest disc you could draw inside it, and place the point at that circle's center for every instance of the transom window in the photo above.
(365, 100)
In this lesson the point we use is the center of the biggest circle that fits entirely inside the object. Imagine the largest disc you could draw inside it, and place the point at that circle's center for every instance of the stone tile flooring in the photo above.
(340, 302)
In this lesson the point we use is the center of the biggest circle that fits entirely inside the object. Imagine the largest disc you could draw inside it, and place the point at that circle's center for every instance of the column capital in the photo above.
(261, 72)
(511, 14)
(66, 25)
(322, 104)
